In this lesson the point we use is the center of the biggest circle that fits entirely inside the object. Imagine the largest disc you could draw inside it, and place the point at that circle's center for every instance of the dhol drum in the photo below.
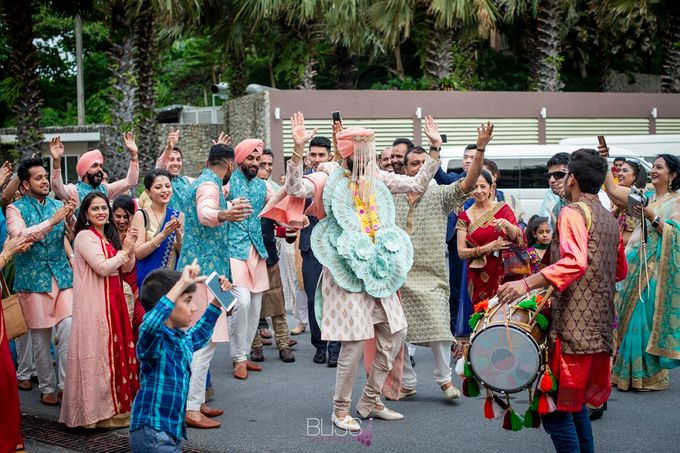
(506, 348)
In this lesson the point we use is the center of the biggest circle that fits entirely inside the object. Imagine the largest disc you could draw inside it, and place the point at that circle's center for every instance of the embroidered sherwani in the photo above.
(425, 295)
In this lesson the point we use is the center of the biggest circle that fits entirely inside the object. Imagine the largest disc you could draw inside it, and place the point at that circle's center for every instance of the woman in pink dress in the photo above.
(101, 373)
(10, 415)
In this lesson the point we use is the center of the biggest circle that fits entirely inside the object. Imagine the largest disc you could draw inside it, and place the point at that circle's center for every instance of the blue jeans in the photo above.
(570, 431)
(146, 439)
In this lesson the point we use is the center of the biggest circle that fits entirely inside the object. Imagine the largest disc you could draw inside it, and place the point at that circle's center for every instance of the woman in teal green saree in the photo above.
(648, 305)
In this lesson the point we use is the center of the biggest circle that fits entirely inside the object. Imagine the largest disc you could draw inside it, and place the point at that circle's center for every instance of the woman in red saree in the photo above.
(483, 231)
(101, 372)
(10, 415)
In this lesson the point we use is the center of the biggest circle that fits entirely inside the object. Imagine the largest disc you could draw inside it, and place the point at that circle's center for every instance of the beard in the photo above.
(398, 168)
(250, 171)
(95, 179)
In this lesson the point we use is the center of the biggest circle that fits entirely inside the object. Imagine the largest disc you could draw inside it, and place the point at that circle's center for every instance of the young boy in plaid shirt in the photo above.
(164, 352)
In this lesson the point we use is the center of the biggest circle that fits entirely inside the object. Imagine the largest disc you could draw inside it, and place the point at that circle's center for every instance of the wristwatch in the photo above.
(656, 221)
(434, 148)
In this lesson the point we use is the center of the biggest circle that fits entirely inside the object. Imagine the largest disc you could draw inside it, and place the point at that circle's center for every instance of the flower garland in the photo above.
(368, 214)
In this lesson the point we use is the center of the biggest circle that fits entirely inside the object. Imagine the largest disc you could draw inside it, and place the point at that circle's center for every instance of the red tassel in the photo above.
(543, 407)
(547, 382)
(488, 408)
(481, 306)
(507, 420)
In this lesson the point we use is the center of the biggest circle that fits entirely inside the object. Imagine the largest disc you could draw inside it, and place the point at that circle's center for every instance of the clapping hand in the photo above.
(17, 244)
(130, 239)
(170, 227)
(484, 134)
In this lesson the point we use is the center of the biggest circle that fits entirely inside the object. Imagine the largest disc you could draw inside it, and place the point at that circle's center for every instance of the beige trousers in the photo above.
(388, 346)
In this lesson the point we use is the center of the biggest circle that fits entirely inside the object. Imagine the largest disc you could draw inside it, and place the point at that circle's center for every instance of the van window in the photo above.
(534, 174)
(509, 170)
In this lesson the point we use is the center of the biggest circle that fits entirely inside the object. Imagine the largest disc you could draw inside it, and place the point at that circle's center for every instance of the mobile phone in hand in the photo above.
(336, 117)
(226, 298)
(601, 141)
(444, 138)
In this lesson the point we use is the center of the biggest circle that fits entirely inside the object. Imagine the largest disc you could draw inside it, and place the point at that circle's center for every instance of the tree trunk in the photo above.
(548, 42)
(670, 79)
(80, 91)
(308, 75)
(439, 61)
(147, 55)
(238, 78)
(22, 64)
(123, 97)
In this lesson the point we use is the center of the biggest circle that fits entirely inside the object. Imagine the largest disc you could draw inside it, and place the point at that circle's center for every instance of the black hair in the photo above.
(24, 170)
(493, 167)
(220, 154)
(157, 284)
(639, 172)
(673, 164)
(82, 222)
(413, 150)
(487, 176)
(589, 169)
(124, 202)
(471, 146)
(151, 176)
(558, 159)
(321, 142)
(268, 152)
(403, 141)
(534, 222)
(176, 148)
(619, 159)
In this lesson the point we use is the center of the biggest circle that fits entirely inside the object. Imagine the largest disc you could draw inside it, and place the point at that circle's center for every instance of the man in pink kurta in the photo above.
(89, 169)
(44, 277)
(247, 254)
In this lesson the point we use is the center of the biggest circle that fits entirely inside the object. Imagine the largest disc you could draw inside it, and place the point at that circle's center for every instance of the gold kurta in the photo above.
(425, 295)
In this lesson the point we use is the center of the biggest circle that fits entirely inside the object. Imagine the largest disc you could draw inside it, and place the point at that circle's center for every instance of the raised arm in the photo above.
(418, 183)
(484, 136)
(132, 178)
(295, 185)
(62, 191)
(617, 194)
(164, 159)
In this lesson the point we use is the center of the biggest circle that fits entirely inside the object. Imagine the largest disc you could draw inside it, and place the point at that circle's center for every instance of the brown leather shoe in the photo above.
(195, 419)
(266, 342)
(256, 355)
(26, 385)
(265, 333)
(253, 366)
(240, 370)
(286, 355)
(210, 411)
(291, 342)
(49, 399)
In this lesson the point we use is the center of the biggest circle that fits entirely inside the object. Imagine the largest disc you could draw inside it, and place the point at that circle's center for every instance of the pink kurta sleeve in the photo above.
(163, 161)
(573, 250)
(130, 181)
(208, 204)
(62, 191)
(89, 248)
(17, 227)
(404, 184)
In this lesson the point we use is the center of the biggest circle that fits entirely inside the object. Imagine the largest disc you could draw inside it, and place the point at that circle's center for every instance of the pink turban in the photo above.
(87, 160)
(246, 147)
(347, 138)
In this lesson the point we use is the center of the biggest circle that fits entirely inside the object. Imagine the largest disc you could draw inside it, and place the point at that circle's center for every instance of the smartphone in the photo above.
(444, 139)
(601, 141)
(336, 117)
(226, 298)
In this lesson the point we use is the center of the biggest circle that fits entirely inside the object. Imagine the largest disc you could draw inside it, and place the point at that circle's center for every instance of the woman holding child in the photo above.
(101, 375)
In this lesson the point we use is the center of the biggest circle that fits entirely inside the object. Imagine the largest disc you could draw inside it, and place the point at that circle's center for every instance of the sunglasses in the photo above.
(557, 174)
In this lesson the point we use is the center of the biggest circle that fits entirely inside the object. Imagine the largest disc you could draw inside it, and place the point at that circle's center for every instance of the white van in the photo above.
(523, 168)
(647, 146)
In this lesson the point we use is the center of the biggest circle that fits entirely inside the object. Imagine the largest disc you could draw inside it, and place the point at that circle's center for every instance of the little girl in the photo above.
(539, 234)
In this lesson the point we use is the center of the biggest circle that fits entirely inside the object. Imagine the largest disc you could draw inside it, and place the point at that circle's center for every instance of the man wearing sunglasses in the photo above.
(557, 172)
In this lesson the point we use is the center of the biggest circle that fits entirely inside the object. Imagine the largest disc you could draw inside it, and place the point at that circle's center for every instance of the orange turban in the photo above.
(246, 147)
(348, 137)
(87, 160)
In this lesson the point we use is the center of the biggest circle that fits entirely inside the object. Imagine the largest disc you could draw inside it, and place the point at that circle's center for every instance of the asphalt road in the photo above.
(287, 406)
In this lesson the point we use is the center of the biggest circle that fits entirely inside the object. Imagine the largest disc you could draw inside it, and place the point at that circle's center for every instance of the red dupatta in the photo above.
(122, 357)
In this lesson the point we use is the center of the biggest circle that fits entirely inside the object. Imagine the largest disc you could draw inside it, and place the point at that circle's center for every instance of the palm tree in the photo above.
(23, 60)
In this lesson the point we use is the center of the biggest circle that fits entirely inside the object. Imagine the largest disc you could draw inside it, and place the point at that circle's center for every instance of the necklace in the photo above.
(158, 222)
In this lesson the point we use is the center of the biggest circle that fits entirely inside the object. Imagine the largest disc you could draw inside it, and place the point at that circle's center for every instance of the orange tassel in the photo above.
(482, 306)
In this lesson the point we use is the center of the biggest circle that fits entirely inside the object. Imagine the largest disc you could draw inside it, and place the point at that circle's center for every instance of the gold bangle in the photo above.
(153, 243)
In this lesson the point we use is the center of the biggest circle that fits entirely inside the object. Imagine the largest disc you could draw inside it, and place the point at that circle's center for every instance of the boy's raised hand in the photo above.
(192, 274)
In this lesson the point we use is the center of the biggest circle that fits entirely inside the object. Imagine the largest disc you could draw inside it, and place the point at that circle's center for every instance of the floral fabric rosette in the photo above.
(357, 262)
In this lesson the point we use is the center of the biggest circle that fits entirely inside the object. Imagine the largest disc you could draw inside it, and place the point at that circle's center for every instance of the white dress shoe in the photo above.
(450, 391)
(385, 414)
(347, 423)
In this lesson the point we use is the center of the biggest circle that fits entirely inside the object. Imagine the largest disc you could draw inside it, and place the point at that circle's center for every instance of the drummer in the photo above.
(580, 333)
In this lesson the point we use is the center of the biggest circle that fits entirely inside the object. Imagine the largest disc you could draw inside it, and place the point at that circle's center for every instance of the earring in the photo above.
(108, 221)
(87, 222)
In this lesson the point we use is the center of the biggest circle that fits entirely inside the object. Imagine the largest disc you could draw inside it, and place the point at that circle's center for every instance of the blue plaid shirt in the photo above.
(164, 356)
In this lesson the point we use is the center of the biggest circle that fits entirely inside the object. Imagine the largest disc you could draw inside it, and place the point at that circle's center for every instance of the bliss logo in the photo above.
(317, 432)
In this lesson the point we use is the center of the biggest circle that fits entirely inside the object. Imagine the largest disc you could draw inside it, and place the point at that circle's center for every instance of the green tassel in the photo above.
(542, 322)
(467, 371)
(474, 319)
(472, 387)
(534, 403)
(528, 419)
(516, 421)
(529, 304)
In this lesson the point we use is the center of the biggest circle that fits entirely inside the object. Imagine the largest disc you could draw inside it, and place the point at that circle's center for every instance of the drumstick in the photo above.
(507, 328)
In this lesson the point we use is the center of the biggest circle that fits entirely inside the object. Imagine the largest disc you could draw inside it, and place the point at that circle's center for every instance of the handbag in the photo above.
(15, 323)
(515, 262)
